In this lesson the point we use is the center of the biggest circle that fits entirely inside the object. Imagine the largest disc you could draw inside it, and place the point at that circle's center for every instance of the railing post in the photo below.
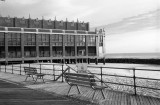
(101, 76)
(40, 68)
(12, 67)
(69, 70)
(134, 79)
(20, 69)
(104, 61)
(54, 72)
(0, 67)
(62, 73)
(5, 67)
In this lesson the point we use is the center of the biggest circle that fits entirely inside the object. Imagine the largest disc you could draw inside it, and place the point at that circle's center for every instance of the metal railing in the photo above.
(52, 71)
(132, 83)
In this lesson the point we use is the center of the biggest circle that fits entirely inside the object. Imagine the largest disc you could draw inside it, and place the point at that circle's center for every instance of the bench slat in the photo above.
(30, 70)
(82, 83)
(81, 78)
(79, 74)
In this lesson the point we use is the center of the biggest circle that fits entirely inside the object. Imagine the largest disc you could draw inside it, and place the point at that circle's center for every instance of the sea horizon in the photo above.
(153, 55)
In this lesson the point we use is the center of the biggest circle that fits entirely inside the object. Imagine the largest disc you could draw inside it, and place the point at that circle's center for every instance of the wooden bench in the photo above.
(32, 71)
(86, 80)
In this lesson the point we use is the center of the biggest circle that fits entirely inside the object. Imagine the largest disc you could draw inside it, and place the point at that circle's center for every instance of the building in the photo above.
(34, 40)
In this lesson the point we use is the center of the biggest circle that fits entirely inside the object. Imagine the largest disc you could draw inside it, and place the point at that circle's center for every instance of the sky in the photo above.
(142, 41)
(96, 12)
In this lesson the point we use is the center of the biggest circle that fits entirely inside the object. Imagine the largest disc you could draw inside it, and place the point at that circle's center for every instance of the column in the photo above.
(22, 45)
(63, 43)
(50, 46)
(6, 47)
(37, 46)
(75, 46)
(86, 45)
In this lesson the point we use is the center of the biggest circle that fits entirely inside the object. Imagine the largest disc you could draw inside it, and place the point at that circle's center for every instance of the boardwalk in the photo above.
(12, 94)
(112, 97)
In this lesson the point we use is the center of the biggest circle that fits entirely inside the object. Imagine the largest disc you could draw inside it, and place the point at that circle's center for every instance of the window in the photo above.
(14, 38)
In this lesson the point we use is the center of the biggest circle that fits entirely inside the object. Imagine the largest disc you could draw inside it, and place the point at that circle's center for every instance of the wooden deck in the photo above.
(112, 97)
(61, 88)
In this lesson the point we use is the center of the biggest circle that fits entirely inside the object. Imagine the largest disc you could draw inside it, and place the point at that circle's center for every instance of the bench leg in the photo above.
(69, 90)
(33, 77)
(93, 94)
(102, 94)
(43, 79)
(39, 77)
(78, 90)
(26, 78)
(29, 76)
(36, 80)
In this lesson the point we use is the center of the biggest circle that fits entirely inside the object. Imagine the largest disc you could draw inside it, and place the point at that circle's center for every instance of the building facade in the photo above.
(46, 40)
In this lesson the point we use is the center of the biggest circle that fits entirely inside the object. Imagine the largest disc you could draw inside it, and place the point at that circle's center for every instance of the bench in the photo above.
(32, 71)
(86, 80)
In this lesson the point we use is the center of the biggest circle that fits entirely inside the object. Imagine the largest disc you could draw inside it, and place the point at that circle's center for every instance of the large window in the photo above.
(14, 52)
(2, 52)
(56, 39)
(30, 51)
(43, 39)
(44, 52)
(100, 40)
(69, 51)
(81, 51)
(91, 40)
(2, 39)
(57, 52)
(30, 39)
(81, 40)
(14, 39)
(69, 40)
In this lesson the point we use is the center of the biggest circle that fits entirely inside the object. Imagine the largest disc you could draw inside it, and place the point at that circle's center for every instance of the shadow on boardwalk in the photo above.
(59, 88)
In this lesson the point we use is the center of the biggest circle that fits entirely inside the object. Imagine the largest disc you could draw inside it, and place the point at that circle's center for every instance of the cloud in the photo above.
(23, 2)
(133, 42)
(97, 12)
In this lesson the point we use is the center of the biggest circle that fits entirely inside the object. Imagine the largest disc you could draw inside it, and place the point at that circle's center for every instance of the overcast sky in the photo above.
(97, 12)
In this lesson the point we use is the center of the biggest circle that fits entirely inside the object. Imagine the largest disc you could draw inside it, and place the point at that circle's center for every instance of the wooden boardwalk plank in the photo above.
(157, 101)
(145, 100)
(150, 101)
(124, 99)
(112, 97)
(142, 100)
(133, 100)
(153, 102)
(138, 100)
